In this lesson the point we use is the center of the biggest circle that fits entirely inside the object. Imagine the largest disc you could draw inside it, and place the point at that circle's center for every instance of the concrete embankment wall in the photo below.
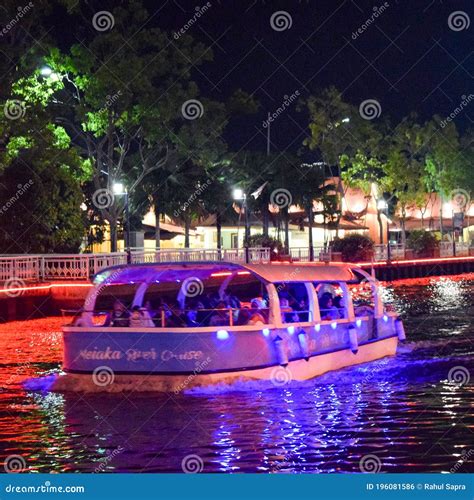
(421, 269)
(42, 299)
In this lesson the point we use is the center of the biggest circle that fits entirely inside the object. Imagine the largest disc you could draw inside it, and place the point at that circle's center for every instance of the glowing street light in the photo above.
(382, 205)
(46, 71)
(118, 188)
(238, 194)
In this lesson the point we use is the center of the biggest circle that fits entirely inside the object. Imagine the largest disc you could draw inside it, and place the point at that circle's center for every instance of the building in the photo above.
(361, 213)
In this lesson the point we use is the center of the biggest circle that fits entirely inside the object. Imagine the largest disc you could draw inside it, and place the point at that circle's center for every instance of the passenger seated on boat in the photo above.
(176, 317)
(202, 316)
(287, 313)
(256, 315)
(327, 309)
(140, 318)
(243, 316)
(231, 300)
(192, 315)
(302, 310)
(337, 302)
(120, 316)
(220, 316)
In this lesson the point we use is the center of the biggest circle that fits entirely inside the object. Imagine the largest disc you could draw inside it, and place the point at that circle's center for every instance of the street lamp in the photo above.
(120, 190)
(449, 207)
(47, 72)
(382, 208)
(239, 195)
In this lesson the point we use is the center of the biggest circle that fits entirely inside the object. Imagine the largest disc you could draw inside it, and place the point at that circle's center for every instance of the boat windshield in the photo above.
(222, 299)
(331, 300)
(294, 302)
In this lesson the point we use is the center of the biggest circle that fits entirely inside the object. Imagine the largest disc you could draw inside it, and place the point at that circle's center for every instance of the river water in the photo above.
(409, 413)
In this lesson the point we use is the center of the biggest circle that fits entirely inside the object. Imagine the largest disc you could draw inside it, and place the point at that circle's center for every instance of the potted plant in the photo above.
(353, 248)
(423, 244)
(261, 241)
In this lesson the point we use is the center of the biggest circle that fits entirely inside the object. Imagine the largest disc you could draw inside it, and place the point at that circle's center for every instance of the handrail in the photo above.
(48, 267)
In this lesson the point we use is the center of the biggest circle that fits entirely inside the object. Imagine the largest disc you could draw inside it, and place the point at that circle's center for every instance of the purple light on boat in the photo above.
(317, 327)
(291, 330)
(266, 332)
(222, 334)
(334, 325)
(359, 323)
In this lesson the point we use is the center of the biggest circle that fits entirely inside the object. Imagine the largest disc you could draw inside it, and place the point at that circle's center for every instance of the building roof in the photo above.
(273, 273)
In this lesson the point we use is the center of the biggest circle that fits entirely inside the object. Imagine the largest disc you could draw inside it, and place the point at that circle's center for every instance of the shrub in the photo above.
(423, 243)
(259, 240)
(354, 247)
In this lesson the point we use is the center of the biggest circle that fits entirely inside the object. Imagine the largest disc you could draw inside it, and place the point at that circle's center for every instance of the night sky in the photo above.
(408, 59)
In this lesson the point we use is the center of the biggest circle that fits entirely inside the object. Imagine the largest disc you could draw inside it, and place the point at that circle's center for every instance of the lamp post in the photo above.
(449, 207)
(47, 72)
(239, 195)
(382, 208)
(120, 190)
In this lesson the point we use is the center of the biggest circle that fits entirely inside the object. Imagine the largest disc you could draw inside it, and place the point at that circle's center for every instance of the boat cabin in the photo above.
(210, 295)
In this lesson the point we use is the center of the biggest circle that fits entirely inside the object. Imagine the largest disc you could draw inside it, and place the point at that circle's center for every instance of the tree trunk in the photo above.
(187, 227)
(404, 233)
(113, 235)
(287, 232)
(441, 217)
(379, 219)
(265, 217)
(219, 230)
(157, 210)
(309, 211)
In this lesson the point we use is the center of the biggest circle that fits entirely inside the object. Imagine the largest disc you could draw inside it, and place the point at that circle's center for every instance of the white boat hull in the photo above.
(296, 370)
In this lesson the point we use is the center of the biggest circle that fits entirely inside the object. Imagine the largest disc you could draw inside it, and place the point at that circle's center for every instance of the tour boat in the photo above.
(202, 323)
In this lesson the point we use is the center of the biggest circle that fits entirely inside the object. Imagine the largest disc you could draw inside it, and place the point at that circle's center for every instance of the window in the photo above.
(363, 299)
(108, 295)
(294, 302)
(234, 240)
(331, 301)
(243, 302)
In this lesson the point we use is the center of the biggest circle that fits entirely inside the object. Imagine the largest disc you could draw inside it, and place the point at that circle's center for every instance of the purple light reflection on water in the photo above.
(400, 409)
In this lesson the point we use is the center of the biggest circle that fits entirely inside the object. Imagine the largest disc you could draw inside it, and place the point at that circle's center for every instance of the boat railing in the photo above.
(179, 318)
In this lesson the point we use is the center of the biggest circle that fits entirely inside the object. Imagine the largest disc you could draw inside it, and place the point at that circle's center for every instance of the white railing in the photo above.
(20, 268)
(52, 267)
(447, 250)
(397, 252)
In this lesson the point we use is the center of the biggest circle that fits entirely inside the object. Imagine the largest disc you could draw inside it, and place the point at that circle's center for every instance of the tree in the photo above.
(405, 167)
(108, 101)
(339, 134)
(311, 187)
(447, 166)
(41, 211)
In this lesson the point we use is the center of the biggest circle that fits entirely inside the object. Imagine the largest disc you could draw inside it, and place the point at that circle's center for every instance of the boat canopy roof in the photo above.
(179, 271)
